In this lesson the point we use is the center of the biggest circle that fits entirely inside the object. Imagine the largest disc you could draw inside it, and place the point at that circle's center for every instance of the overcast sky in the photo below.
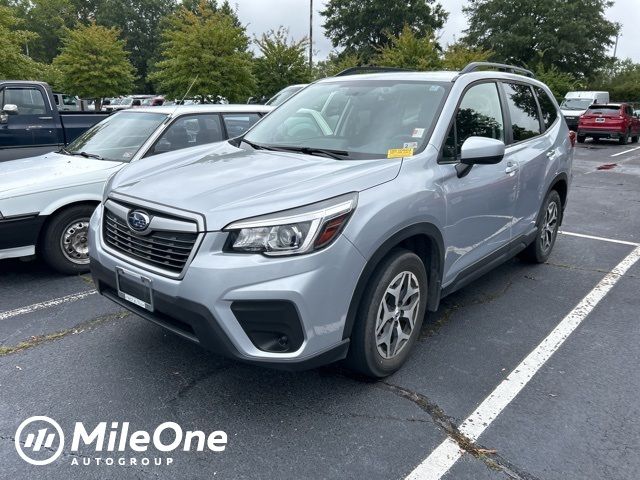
(263, 15)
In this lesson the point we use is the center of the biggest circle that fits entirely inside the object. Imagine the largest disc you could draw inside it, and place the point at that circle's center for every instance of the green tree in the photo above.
(363, 27)
(14, 64)
(93, 63)
(335, 63)
(457, 56)
(407, 50)
(622, 81)
(282, 62)
(572, 35)
(48, 18)
(207, 45)
(139, 22)
(559, 82)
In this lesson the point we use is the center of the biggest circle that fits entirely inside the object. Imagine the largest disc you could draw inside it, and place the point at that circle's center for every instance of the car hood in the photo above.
(225, 183)
(51, 171)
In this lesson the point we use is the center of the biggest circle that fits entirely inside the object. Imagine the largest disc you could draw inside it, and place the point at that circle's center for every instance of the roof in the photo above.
(206, 108)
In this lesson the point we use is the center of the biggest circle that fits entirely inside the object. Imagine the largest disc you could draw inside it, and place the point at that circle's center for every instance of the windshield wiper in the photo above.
(255, 146)
(64, 151)
(337, 154)
(86, 155)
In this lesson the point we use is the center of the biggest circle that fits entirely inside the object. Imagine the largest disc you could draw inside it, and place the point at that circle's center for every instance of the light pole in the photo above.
(310, 34)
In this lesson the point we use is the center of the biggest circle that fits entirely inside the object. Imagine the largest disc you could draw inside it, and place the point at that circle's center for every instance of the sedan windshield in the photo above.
(117, 137)
(576, 103)
(353, 119)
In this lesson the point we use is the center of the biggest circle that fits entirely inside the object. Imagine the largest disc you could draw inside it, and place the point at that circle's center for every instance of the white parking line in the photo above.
(49, 303)
(602, 239)
(448, 452)
(625, 151)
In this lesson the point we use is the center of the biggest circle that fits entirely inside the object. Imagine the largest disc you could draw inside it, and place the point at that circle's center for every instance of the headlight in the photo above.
(292, 232)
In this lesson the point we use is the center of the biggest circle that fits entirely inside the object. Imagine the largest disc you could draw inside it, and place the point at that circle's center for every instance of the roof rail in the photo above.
(370, 69)
(475, 66)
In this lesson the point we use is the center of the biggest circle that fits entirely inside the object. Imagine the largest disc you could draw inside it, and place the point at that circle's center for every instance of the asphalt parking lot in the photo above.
(509, 379)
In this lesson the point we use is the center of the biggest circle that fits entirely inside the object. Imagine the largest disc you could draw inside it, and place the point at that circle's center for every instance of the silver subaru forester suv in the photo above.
(329, 229)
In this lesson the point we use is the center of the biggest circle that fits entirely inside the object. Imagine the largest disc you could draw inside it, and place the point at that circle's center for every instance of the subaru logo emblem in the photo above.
(138, 221)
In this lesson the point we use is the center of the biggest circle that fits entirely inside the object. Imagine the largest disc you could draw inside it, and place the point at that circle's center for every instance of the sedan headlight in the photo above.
(292, 232)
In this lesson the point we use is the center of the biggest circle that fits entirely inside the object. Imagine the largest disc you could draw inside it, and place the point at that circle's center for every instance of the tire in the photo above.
(67, 228)
(634, 139)
(540, 249)
(624, 139)
(581, 138)
(379, 355)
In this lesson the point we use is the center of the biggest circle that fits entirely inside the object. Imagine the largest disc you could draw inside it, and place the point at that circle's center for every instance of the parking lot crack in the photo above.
(51, 337)
(488, 456)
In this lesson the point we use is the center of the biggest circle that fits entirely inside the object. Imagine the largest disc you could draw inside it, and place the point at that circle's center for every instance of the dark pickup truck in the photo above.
(30, 123)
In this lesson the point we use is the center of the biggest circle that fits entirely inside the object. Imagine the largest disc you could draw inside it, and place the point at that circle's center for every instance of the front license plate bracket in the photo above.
(134, 288)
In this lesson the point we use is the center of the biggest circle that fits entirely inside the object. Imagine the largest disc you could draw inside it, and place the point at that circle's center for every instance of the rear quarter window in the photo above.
(549, 112)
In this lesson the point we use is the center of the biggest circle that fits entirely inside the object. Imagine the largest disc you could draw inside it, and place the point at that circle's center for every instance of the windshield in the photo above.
(576, 103)
(604, 110)
(119, 136)
(283, 95)
(126, 101)
(359, 119)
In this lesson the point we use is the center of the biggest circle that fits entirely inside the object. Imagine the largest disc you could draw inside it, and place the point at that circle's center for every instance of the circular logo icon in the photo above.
(36, 445)
(138, 220)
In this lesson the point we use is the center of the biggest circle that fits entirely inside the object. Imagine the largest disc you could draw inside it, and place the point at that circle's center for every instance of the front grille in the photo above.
(168, 251)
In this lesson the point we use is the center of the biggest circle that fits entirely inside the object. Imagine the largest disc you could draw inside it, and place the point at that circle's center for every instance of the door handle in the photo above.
(45, 118)
(512, 167)
(551, 154)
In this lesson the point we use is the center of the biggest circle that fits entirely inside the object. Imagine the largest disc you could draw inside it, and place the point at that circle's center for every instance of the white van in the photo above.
(576, 103)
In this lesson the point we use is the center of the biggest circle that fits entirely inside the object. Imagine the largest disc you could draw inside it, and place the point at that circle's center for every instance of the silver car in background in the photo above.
(331, 227)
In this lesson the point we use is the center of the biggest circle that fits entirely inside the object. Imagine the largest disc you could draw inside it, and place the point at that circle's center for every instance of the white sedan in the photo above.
(46, 201)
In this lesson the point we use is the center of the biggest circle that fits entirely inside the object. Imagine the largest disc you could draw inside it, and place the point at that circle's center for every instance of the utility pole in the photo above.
(615, 48)
(310, 34)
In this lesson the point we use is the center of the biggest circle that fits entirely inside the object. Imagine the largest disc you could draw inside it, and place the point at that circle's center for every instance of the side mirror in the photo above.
(8, 109)
(479, 151)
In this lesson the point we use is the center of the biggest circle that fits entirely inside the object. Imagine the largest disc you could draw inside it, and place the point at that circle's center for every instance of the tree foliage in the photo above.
(208, 47)
(457, 56)
(335, 63)
(282, 62)
(364, 27)
(139, 23)
(622, 81)
(14, 64)
(559, 82)
(408, 50)
(93, 63)
(571, 35)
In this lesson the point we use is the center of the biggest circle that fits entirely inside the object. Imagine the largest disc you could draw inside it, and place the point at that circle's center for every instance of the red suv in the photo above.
(612, 120)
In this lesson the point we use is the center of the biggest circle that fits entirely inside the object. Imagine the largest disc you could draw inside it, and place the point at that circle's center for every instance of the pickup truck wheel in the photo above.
(390, 315)
(548, 224)
(64, 243)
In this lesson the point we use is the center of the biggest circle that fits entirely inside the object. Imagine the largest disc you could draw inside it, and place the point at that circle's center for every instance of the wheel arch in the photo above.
(58, 209)
(561, 185)
(424, 239)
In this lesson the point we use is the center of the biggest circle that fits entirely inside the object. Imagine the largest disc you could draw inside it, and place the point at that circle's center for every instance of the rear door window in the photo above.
(189, 131)
(525, 119)
(549, 112)
(238, 123)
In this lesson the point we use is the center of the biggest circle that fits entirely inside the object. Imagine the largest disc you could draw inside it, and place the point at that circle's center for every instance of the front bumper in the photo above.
(200, 306)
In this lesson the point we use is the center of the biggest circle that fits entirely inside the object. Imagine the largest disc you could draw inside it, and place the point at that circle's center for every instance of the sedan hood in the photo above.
(49, 172)
(225, 183)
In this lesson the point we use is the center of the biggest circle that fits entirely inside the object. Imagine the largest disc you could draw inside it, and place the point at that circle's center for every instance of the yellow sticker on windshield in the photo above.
(399, 152)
